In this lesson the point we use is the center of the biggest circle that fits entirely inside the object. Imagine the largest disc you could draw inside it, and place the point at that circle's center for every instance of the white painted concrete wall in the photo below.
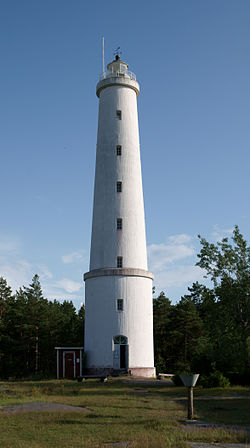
(104, 321)
(106, 242)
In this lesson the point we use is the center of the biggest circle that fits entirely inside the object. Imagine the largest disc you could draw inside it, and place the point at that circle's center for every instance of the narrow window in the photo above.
(119, 262)
(119, 223)
(119, 114)
(119, 304)
(118, 150)
(118, 187)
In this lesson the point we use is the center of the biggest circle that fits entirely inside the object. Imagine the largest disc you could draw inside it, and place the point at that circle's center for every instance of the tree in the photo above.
(80, 324)
(31, 327)
(161, 319)
(228, 266)
(5, 297)
(36, 323)
(177, 330)
(205, 304)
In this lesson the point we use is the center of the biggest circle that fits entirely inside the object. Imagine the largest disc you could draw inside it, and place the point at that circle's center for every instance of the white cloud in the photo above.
(55, 291)
(44, 271)
(9, 244)
(69, 285)
(173, 262)
(177, 248)
(73, 257)
(12, 267)
(182, 238)
(17, 273)
(218, 233)
(178, 277)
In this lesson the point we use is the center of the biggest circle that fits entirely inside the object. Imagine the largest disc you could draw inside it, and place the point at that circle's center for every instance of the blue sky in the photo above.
(191, 58)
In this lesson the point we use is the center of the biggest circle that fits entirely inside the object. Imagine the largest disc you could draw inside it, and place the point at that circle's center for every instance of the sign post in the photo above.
(190, 381)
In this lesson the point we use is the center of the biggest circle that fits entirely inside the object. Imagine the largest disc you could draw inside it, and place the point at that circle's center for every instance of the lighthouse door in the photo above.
(116, 357)
(120, 353)
(123, 364)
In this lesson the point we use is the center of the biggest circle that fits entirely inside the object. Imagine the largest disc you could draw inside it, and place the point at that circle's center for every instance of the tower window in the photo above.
(119, 187)
(119, 262)
(119, 304)
(119, 114)
(120, 339)
(118, 150)
(119, 223)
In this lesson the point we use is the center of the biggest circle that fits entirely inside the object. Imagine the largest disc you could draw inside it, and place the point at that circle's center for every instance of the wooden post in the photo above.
(190, 403)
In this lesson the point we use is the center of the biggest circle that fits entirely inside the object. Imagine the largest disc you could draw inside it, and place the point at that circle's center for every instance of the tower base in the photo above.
(146, 372)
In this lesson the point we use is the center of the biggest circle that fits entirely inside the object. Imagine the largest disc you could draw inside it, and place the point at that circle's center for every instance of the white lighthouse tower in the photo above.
(119, 316)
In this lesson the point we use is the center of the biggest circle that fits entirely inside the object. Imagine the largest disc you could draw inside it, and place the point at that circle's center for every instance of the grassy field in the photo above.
(145, 415)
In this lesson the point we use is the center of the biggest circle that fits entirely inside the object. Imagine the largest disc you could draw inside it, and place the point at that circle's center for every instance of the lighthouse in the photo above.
(118, 286)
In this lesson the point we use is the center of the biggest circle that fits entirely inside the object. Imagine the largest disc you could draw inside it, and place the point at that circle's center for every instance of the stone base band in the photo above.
(126, 272)
(145, 372)
(117, 81)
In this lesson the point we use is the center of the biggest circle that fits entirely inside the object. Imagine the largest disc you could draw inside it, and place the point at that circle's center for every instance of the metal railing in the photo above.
(125, 74)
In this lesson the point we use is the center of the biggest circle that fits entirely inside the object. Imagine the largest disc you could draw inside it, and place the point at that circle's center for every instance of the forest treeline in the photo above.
(30, 329)
(207, 329)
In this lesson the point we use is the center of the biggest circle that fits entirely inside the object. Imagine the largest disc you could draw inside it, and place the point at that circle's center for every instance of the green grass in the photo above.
(149, 419)
(229, 412)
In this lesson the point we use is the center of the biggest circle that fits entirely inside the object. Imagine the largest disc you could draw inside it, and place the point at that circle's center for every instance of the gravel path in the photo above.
(218, 445)
(198, 424)
(214, 397)
(148, 382)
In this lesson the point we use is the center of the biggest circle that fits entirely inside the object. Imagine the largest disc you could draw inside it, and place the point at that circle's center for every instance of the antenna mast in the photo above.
(103, 66)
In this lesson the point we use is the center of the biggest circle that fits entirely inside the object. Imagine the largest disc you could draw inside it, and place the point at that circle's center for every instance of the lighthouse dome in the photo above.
(117, 74)
(118, 67)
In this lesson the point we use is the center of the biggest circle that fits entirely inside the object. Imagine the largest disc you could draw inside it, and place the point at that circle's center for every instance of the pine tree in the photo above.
(5, 294)
(161, 320)
(5, 298)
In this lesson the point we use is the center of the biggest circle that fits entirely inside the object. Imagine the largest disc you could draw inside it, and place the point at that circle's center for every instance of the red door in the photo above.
(69, 364)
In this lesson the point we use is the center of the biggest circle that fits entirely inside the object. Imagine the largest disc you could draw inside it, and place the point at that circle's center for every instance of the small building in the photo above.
(68, 362)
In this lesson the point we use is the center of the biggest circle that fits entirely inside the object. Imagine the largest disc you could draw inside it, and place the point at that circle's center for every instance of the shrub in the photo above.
(160, 364)
(214, 379)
